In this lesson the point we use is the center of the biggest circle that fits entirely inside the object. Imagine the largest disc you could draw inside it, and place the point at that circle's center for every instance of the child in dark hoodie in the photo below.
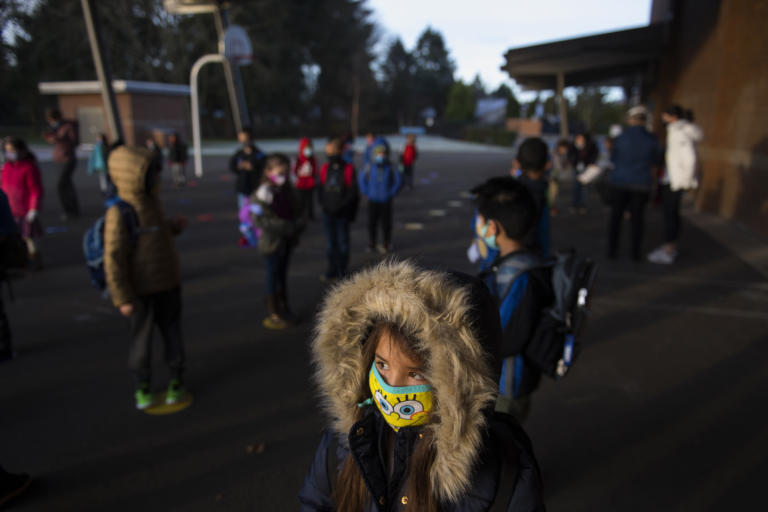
(404, 360)
(277, 212)
(247, 164)
(338, 198)
(533, 162)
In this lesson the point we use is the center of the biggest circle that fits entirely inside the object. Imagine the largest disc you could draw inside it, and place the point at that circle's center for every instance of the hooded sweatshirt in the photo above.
(457, 330)
(151, 265)
(305, 169)
(22, 183)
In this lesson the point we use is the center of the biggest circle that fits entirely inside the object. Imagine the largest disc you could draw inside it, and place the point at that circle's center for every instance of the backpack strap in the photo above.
(514, 264)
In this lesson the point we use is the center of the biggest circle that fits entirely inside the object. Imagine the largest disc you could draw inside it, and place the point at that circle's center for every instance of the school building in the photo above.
(146, 108)
(706, 55)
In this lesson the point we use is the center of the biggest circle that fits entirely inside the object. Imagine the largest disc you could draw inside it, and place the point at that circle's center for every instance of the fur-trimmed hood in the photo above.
(455, 326)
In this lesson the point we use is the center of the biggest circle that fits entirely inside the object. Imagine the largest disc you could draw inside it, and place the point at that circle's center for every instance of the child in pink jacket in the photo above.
(22, 184)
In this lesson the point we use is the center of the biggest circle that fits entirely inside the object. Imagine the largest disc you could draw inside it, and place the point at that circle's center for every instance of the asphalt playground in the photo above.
(664, 410)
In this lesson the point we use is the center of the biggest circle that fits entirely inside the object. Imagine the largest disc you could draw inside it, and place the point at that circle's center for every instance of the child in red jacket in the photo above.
(410, 154)
(22, 183)
(305, 171)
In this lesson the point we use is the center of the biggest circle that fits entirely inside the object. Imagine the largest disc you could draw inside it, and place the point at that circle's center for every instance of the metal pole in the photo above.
(102, 69)
(196, 144)
(562, 104)
(234, 80)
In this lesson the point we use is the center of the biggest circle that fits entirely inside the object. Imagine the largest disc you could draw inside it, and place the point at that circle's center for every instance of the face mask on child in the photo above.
(307, 152)
(490, 241)
(401, 406)
(11, 156)
(278, 179)
(379, 159)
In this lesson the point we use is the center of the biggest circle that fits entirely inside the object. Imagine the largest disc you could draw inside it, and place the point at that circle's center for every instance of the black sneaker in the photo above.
(11, 485)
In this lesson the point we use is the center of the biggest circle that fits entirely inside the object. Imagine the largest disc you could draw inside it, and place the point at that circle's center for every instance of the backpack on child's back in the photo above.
(93, 240)
(555, 342)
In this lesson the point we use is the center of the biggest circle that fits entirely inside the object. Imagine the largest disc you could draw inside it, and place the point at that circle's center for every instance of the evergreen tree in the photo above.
(433, 76)
(461, 102)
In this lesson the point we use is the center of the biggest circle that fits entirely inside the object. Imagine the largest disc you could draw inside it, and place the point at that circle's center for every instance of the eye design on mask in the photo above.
(409, 408)
(385, 406)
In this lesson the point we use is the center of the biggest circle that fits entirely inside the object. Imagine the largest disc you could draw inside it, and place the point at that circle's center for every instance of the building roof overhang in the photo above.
(601, 59)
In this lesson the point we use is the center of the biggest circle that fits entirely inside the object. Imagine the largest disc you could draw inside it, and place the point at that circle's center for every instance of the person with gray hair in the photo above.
(635, 154)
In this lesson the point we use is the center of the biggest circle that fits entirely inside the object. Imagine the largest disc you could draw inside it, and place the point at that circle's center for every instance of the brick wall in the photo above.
(717, 65)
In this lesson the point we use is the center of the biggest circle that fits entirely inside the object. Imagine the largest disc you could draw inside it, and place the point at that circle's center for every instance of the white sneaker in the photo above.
(662, 257)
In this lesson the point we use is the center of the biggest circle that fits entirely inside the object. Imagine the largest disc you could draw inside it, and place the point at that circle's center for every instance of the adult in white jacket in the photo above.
(681, 167)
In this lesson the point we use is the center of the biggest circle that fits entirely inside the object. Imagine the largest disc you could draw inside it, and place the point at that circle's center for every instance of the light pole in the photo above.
(103, 71)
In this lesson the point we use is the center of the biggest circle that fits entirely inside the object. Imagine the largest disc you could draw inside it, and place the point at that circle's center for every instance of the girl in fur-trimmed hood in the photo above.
(407, 365)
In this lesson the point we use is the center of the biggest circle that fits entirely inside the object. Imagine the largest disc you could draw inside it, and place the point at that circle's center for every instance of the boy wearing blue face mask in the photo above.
(506, 215)
(380, 183)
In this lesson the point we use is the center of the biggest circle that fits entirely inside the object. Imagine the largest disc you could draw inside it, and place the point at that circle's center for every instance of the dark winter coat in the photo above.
(247, 181)
(65, 140)
(458, 333)
(177, 152)
(634, 155)
(279, 216)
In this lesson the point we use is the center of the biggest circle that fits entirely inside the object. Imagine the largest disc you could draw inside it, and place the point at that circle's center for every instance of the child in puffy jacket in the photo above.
(380, 182)
(22, 184)
(305, 171)
(406, 362)
(278, 214)
(142, 271)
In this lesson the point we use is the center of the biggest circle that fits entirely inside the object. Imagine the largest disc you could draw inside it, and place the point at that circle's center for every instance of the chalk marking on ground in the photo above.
(455, 204)
(466, 195)
(414, 226)
(437, 213)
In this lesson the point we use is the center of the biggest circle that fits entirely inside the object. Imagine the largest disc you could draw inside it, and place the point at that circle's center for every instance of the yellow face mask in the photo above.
(403, 406)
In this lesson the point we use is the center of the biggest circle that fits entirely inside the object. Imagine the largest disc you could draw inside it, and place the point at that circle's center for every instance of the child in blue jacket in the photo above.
(380, 182)
(518, 279)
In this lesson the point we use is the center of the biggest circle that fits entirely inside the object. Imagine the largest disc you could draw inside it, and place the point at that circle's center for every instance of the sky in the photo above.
(479, 32)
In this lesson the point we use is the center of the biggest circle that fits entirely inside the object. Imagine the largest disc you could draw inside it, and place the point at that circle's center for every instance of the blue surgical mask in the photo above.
(11, 156)
(379, 159)
(490, 241)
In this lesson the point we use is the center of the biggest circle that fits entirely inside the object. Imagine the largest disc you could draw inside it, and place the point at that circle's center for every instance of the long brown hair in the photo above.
(349, 491)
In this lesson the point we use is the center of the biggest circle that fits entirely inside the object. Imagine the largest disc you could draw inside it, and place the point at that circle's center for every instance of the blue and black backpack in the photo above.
(93, 241)
(555, 342)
